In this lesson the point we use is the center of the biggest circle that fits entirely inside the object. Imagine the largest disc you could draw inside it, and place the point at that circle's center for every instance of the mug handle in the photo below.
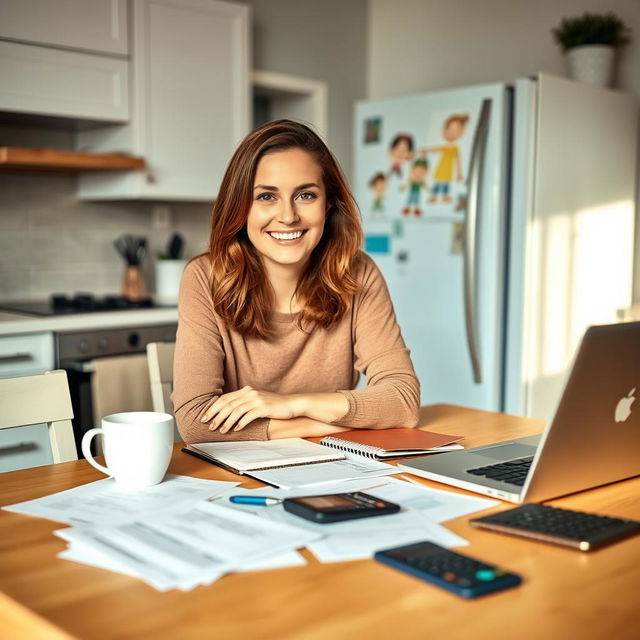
(86, 450)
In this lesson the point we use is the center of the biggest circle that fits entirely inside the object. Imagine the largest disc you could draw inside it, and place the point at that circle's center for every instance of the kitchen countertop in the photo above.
(17, 323)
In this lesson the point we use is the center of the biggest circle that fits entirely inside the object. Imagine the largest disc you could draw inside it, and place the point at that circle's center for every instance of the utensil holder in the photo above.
(133, 286)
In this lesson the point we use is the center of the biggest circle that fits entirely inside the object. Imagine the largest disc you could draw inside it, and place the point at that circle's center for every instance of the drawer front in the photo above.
(93, 25)
(61, 83)
(25, 355)
(24, 447)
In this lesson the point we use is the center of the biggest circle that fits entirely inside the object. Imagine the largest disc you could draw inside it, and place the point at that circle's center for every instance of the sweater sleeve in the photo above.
(392, 395)
(198, 367)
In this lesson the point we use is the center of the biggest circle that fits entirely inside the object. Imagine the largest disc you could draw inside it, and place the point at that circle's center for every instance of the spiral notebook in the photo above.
(256, 455)
(392, 443)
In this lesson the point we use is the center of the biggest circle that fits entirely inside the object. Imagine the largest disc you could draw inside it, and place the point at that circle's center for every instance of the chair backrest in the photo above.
(160, 361)
(41, 399)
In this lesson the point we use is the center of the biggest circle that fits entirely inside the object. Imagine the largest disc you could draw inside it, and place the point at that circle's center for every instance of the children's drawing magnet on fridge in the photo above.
(380, 244)
(449, 138)
(372, 130)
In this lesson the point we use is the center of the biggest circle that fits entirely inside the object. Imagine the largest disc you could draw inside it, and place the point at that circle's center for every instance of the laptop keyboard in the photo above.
(513, 471)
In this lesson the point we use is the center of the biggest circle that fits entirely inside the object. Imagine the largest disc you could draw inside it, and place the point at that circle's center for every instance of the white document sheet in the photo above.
(102, 502)
(191, 547)
(86, 555)
(318, 475)
(355, 546)
(185, 571)
(438, 505)
(356, 539)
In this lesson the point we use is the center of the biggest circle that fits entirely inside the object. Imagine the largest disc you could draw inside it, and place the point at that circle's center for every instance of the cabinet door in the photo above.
(191, 101)
(62, 83)
(92, 25)
(26, 354)
(24, 447)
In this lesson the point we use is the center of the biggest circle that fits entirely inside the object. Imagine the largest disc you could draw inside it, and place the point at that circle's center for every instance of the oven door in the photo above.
(108, 374)
(104, 386)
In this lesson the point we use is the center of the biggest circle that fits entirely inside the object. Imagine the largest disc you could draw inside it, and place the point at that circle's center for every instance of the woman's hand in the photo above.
(241, 407)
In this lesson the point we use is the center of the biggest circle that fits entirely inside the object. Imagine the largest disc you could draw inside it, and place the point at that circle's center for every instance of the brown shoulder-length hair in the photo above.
(242, 294)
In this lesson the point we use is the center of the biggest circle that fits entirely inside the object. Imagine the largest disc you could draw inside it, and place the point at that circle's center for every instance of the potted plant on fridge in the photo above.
(590, 42)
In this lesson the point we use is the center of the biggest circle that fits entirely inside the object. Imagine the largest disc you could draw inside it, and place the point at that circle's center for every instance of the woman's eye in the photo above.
(265, 196)
(307, 195)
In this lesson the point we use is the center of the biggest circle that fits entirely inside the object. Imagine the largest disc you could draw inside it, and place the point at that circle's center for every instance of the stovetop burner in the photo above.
(87, 302)
(62, 304)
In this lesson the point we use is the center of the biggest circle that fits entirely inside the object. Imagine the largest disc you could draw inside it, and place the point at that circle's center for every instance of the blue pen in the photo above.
(257, 500)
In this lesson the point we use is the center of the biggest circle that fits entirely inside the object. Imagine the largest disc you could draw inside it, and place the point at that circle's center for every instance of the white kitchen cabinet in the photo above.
(91, 25)
(52, 82)
(27, 354)
(24, 355)
(190, 96)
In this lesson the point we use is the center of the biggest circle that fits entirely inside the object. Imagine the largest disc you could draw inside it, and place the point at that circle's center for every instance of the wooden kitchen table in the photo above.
(565, 594)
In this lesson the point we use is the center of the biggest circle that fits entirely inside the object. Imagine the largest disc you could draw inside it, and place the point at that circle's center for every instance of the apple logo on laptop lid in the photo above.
(623, 408)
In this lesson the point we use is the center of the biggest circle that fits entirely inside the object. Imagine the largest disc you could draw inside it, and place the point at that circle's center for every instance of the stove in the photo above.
(76, 350)
(59, 304)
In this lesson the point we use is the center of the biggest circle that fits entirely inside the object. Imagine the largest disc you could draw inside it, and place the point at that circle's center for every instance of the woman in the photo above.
(283, 311)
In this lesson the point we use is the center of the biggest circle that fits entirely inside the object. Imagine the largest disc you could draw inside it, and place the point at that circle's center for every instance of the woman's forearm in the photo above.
(324, 407)
(301, 427)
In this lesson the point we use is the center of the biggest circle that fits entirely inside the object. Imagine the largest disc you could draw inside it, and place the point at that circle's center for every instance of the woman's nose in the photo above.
(287, 213)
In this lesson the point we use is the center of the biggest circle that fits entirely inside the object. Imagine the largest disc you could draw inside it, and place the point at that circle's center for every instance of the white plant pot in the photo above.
(592, 64)
(168, 276)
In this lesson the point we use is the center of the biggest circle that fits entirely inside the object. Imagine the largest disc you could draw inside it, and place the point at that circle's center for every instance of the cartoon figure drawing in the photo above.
(448, 169)
(400, 151)
(378, 184)
(415, 184)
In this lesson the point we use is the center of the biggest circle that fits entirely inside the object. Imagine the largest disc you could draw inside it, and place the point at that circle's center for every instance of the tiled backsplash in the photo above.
(51, 242)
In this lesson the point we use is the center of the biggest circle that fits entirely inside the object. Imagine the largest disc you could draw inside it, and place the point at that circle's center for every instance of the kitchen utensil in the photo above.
(175, 246)
(132, 248)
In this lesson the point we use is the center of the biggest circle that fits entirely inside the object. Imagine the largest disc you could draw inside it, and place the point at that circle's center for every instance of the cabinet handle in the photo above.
(23, 447)
(16, 357)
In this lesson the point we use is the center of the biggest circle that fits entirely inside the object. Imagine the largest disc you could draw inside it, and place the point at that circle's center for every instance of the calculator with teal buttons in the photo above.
(455, 572)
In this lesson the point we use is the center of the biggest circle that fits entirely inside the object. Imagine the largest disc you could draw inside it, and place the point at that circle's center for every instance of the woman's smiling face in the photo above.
(288, 210)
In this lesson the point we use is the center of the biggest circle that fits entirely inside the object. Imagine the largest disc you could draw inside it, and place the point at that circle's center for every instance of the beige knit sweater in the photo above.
(211, 359)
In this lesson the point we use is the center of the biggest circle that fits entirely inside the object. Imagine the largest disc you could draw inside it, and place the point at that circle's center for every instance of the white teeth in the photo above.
(285, 236)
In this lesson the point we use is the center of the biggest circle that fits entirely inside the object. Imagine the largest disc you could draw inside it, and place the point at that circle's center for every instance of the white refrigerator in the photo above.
(502, 217)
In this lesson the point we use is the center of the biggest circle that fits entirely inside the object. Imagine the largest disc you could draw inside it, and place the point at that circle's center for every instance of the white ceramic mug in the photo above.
(137, 447)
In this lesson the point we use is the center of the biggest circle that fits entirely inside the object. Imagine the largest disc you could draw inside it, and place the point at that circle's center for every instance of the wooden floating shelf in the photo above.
(19, 158)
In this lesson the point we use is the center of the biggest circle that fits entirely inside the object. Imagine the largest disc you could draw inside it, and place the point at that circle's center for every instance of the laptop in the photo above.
(593, 439)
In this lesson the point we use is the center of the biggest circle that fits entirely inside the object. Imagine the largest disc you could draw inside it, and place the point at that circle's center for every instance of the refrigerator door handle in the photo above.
(474, 184)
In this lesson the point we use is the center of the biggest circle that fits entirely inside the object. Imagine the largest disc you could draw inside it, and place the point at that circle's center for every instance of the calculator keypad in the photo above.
(453, 567)
(461, 574)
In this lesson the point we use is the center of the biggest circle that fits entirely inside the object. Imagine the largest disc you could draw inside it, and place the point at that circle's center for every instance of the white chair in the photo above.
(44, 398)
(160, 361)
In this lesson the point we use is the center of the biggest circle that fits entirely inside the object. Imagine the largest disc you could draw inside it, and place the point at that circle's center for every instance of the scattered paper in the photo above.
(361, 538)
(439, 505)
(356, 546)
(184, 532)
(104, 503)
(87, 555)
(185, 549)
(316, 475)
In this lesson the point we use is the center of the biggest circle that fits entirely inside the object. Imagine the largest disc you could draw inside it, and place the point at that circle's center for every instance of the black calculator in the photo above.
(576, 529)
(337, 507)
(460, 574)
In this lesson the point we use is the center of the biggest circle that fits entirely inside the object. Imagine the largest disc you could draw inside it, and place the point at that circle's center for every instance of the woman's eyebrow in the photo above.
(267, 187)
